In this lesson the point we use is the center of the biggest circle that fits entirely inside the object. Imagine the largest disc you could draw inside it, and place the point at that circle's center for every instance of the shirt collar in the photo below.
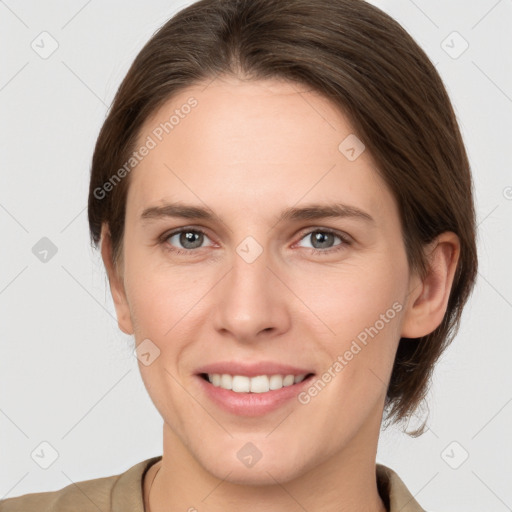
(394, 492)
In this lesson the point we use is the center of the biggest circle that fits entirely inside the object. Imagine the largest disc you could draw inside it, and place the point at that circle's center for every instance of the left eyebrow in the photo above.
(309, 212)
(323, 211)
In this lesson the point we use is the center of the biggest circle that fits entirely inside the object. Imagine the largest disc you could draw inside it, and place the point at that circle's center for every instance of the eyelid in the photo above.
(324, 229)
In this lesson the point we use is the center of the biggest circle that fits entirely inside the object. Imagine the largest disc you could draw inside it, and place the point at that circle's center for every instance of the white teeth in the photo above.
(226, 381)
(276, 382)
(288, 380)
(241, 384)
(259, 384)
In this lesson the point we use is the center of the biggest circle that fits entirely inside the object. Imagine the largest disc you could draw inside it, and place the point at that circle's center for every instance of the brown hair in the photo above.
(370, 67)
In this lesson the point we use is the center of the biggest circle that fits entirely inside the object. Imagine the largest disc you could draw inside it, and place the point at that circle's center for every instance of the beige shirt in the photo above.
(123, 493)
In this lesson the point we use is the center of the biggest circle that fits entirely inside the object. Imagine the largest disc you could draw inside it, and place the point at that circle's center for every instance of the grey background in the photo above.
(67, 374)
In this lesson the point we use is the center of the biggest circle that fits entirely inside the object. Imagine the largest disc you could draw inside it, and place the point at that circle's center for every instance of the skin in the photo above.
(248, 150)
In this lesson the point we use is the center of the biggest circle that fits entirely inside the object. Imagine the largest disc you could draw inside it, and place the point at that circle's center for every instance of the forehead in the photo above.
(252, 143)
(272, 114)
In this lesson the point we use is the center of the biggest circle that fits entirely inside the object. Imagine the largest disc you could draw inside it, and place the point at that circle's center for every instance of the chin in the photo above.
(241, 462)
(259, 475)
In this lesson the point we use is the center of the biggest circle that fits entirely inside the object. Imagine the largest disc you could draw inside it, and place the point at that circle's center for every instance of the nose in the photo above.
(251, 301)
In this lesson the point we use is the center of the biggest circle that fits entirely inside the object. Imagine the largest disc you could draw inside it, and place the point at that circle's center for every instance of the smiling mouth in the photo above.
(257, 384)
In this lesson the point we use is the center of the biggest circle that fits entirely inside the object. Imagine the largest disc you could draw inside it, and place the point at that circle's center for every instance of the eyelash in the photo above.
(344, 241)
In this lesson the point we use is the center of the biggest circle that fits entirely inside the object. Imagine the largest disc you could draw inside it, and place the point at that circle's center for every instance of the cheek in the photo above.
(350, 299)
(361, 312)
(161, 295)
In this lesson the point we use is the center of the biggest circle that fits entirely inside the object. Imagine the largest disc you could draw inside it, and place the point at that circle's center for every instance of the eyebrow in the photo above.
(309, 212)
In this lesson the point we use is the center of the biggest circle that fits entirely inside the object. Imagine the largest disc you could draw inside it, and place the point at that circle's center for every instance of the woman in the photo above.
(284, 207)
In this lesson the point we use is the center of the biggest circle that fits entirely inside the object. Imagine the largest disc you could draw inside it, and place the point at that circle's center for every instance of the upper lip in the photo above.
(252, 369)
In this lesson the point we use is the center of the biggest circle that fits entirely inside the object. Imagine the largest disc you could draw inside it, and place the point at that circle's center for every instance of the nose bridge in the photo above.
(251, 298)
(250, 267)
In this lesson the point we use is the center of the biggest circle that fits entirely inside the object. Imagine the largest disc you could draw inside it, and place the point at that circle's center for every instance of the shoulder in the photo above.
(85, 496)
(108, 494)
(394, 491)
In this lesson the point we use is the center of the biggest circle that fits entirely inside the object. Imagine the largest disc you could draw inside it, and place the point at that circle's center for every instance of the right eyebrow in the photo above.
(178, 210)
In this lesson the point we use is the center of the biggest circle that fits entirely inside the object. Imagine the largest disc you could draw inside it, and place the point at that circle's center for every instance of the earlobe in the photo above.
(116, 283)
(428, 297)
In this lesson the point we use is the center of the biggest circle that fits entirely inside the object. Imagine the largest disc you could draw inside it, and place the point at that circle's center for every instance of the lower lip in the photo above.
(251, 404)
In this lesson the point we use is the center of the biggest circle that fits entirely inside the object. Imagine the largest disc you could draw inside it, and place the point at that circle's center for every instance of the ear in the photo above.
(116, 282)
(428, 297)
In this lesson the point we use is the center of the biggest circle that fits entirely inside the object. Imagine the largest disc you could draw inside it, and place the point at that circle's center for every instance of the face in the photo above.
(289, 261)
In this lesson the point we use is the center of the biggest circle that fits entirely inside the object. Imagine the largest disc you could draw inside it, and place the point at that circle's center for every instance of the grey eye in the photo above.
(321, 239)
(188, 239)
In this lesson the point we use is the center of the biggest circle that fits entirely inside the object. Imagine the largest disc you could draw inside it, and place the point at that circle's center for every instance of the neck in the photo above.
(343, 482)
